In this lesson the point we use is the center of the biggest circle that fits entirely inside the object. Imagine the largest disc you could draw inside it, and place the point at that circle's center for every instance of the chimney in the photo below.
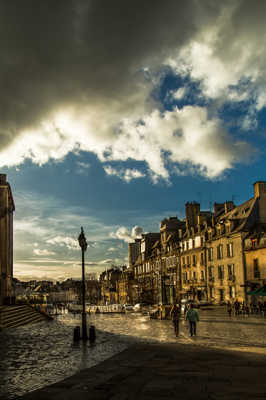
(218, 207)
(228, 206)
(192, 213)
(2, 179)
(259, 189)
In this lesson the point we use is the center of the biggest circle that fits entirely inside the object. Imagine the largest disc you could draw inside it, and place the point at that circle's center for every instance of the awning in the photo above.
(258, 292)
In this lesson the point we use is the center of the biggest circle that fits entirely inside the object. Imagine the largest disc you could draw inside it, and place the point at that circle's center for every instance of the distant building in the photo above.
(133, 252)
(7, 207)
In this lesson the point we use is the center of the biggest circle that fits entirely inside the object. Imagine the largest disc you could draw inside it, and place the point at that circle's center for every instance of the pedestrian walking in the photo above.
(237, 307)
(175, 315)
(161, 311)
(229, 308)
(247, 310)
(193, 317)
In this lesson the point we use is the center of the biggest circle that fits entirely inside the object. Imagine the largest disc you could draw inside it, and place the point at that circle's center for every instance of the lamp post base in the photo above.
(84, 326)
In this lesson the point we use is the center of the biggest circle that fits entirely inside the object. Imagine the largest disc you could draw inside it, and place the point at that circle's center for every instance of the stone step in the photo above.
(13, 316)
(24, 321)
(18, 316)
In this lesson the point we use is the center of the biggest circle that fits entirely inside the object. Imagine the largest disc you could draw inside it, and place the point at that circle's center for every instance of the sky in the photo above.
(114, 114)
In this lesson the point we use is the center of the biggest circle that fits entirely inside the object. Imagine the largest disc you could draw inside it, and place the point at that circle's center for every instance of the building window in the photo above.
(188, 261)
(231, 271)
(220, 271)
(232, 292)
(210, 254)
(194, 260)
(202, 275)
(201, 258)
(211, 272)
(221, 293)
(229, 249)
(256, 269)
(194, 275)
(219, 251)
(211, 292)
(201, 241)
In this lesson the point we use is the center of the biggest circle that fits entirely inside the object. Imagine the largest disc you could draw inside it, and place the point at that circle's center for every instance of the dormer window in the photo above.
(254, 243)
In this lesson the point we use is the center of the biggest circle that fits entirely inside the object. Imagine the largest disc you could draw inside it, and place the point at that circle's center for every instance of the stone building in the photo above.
(255, 259)
(193, 259)
(144, 273)
(108, 284)
(126, 287)
(212, 251)
(169, 282)
(209, 257)
(133, 252)
(7, 207)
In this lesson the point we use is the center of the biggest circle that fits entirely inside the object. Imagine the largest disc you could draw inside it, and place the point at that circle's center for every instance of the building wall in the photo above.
(6, 240)
(235, 280)
(251, 255)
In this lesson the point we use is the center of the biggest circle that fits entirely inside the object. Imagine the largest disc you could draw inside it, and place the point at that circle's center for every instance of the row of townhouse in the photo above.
(209, 256)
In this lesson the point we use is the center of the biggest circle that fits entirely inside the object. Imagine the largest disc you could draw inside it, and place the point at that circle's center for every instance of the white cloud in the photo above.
(179, 94)
(123, 233)
(112, 249)
(107, 261)
(82, 168)
(186, 135)
(69, 242)
(43, 252)
(111, 94)
(124, 174)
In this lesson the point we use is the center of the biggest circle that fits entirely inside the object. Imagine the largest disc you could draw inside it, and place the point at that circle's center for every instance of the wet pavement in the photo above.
(38, 355)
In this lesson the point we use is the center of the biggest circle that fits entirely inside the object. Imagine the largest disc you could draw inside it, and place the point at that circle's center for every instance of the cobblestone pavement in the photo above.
(166, 371)
(39, 355)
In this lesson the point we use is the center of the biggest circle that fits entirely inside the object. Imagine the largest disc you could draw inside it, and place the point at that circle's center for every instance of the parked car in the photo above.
(128, 307)
(140, 307)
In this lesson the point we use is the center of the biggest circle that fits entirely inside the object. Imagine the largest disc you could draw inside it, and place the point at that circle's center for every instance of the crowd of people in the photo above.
(233, 308)
(242, 308)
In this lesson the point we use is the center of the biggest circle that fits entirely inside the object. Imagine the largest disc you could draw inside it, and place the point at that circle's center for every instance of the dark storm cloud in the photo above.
(55, 53)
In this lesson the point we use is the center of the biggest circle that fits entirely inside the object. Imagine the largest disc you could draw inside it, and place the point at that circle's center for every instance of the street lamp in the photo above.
(83, 245)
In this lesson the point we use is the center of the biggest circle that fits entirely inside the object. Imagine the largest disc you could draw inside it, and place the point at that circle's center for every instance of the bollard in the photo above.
(92, 333)
(76, 334)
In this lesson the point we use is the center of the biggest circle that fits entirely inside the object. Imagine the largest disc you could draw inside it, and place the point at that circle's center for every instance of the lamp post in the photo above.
(83, 245)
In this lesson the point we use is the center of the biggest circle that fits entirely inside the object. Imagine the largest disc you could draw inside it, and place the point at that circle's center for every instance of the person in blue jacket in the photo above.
(193, 317)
